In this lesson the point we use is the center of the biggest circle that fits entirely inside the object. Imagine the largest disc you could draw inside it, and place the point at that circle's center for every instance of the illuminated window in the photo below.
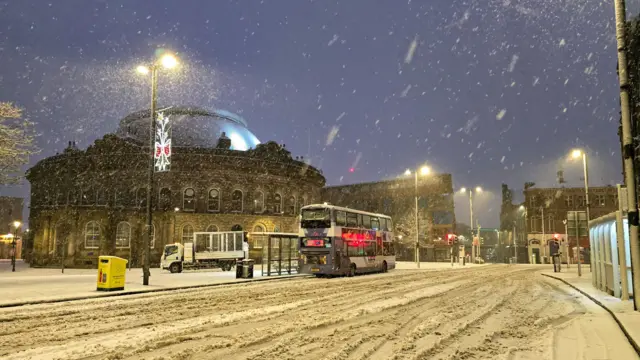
(213, 203)
(92, 235)
(189, 200)
(123, 235)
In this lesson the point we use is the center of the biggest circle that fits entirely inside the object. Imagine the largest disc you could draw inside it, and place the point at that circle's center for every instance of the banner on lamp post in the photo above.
(162, 154)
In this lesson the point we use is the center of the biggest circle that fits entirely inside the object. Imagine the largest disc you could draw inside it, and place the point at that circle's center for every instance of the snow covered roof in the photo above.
(192, 127)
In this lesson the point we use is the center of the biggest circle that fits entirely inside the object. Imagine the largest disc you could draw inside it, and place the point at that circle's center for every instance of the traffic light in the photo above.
(450, 239)
(556, 236)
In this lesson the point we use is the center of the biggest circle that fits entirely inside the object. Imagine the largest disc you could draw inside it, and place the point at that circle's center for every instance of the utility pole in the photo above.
(544, 235)
(515, 244)
(417, 224)
(566, 241)
(473, 246)
(627, 147)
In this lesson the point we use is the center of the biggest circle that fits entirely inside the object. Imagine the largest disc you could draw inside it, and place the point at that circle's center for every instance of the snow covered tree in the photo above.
(406, 227)
(16, 143)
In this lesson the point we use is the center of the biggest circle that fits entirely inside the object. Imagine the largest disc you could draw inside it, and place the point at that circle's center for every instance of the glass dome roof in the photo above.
(192, 127)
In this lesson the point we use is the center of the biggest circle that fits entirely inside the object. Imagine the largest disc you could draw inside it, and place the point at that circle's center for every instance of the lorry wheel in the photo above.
(174, 268)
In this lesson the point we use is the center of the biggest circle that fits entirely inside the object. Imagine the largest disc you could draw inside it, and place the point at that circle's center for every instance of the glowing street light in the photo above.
(424, 170)
(474, 252)
(167, 61)
(16, 225)
(576, 154)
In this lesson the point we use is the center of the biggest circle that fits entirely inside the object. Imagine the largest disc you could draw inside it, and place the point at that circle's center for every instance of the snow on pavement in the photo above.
(488, 312)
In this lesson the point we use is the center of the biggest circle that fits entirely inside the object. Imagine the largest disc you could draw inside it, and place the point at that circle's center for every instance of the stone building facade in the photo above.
(396, 198)
(86, 203)
(549, 206)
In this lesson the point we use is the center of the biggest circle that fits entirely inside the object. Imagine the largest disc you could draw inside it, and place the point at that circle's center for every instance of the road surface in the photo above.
(491, 312)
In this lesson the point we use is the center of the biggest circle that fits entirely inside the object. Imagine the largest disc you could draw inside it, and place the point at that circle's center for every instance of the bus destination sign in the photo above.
(314, 243)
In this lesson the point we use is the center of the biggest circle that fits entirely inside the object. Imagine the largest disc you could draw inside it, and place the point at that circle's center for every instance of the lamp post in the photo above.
(577, 154)
(523, 229)
(167, 61)
(423, 171)
(474, 252)
(16, 225)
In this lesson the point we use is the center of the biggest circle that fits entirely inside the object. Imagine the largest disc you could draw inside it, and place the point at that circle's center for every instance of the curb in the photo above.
(631, 340)
(144, 291)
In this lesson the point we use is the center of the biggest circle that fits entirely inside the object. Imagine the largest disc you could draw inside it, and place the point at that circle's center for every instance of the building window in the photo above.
(568, 201)
(60, 200)
(92, 235)
(123, 235)
(213, 203)
(258, 228)
(533, 201)
(73, 197)
(164, 200)
(88, 197)
(189, 200)
(277, 204)
(236, 227)
(551, 224)
(187, 233)
(535, 224)
(236, 201)
(101, 197)
(300, 202)
(601, 200)
(212, 228)
(291, 206)
(580, 201)
(141, 197)
(258, 202)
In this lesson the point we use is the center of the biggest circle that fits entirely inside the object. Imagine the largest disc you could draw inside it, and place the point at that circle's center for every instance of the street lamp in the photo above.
(167, 61)
(424, 170)
(16, 225)
(576, 154)
(474, 252)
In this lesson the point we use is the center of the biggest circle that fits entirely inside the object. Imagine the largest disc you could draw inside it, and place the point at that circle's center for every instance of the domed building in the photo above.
(86, 203)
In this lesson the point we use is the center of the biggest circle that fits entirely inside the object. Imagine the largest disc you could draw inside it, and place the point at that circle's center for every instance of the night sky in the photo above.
(491, 91)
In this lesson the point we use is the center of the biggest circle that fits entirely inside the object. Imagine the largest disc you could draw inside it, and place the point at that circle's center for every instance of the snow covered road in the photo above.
(490, 312)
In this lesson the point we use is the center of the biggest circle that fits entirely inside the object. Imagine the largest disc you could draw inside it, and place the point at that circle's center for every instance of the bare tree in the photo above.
(16, 143)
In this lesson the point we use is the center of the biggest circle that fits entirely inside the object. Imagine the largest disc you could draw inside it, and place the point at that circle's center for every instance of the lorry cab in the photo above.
(172, 257)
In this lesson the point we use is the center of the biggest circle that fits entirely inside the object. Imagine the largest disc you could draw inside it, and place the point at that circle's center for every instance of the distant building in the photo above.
(396, 198)
(86, 203)
(10, 210)
(545, 209)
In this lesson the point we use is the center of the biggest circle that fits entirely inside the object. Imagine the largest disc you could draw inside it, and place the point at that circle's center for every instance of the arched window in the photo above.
(164, 200)
(258, 228)
(258, 202)
(236, 227)
(277, 204)
(92, 235)
(123, 235)
(212, 228)
(101, 197)
(141, 197)
(213, 203)
(300, 202)
(187, 233)
(291, 206)
(88, 197)
(236, 201)
(189, 200)
(535, 224)
(60, 200)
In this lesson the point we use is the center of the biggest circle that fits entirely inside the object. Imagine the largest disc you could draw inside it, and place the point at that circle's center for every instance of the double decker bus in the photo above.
(341, 241)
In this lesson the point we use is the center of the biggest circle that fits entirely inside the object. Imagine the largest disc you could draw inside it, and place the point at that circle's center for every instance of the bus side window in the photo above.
(341, 218)
(383, 224)
(375, 223)
(352, 220)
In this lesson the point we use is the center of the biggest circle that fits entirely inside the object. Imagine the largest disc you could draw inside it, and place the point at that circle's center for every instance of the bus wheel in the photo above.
(352, 270)
(384, 266)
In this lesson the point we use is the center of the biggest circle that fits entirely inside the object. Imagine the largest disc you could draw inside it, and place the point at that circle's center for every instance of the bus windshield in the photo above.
(316, 218)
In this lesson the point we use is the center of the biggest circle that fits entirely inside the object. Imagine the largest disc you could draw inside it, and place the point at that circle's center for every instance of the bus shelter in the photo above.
(279, 252)
(610, 255)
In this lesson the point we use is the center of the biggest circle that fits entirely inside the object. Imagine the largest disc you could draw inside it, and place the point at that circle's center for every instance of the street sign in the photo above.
(577, 223)
(622, 198)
